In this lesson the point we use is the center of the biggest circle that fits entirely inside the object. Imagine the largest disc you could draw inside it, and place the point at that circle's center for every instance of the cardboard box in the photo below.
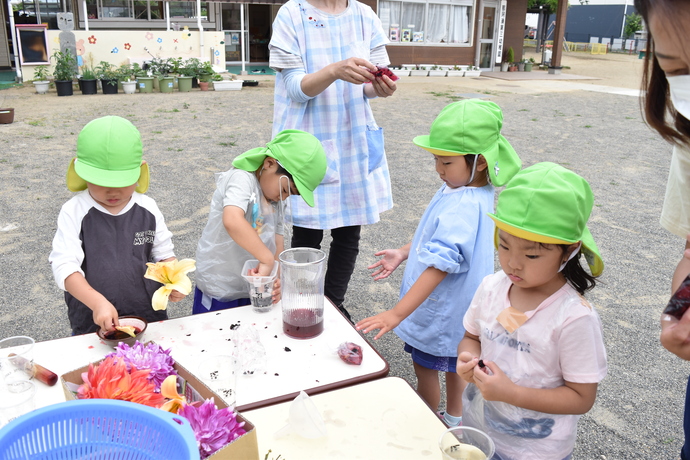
(245, 447)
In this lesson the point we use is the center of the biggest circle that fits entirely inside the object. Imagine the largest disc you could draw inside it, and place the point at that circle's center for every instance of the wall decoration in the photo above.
(406, 35)
(92, 40)
(128, 46)
(149, 35)
(235, 38)
(418, 37)
(394, 33)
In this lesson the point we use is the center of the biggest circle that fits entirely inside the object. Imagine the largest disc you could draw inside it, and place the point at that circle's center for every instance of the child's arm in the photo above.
(420, 290)
(469, 350)
(675, 335)
(569, 398)
(104, 313)
(243, 234)
(392, 258)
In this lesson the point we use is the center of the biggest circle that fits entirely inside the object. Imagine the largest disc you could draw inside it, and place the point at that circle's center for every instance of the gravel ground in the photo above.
(190, 136)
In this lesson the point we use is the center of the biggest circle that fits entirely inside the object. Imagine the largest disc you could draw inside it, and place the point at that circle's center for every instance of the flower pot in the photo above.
(419, 73)
(195, 82)
(145, 84)
(473, 73)
(512, 68)
(504, 66)
(6, 116)
(41, 86)
(109, 86)
(167, 84)
(129, 87)
(184, 84)
(437, 73)
(63, 87)
(528, 66)
(203, 85)
(156, 83)
(521, 66)
(227, 85)
(456, 73)
(401, 72)
(88, 86)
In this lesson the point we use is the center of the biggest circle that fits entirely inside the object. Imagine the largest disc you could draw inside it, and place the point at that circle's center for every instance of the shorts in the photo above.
(437, 363)
(216, 305)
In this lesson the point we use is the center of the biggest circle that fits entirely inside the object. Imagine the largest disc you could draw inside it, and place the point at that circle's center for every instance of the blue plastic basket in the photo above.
(96, 429)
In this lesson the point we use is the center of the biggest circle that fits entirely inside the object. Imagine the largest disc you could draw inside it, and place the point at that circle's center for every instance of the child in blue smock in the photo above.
(452, 249)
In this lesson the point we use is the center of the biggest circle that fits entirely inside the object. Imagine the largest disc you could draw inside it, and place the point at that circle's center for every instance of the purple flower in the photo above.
(213, 428)
(150, 356)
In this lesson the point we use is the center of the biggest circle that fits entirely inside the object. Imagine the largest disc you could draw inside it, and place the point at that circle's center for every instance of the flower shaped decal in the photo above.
(149, 35)
(159, 40)
(173, 275)
(115, 50)
(92, 40)
(128, 46)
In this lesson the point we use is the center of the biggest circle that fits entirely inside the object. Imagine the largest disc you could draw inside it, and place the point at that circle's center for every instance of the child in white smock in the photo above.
(533, 353)
(452, 249)
(244, 221)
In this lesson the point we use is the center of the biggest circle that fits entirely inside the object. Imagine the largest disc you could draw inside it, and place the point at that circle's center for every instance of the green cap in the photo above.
(109, 152)
(550, 204)
(299, 152)
(473, 127)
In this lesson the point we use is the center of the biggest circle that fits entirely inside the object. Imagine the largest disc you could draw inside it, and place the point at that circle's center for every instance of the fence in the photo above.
(607, 45)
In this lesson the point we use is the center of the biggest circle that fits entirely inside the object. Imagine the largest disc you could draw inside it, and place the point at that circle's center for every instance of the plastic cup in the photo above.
(260, 287)
(466, 443)
(16, 359)
(16, 399)
(219, 373)
(302, 272)
(304, 419)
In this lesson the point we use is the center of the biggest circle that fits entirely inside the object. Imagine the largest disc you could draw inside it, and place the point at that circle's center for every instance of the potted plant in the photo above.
(528, 64)
(205, 73)
(87, 81)
(510, 58)
(127, 79)
(41, 82)
(419, 71)
(504, 61)
(64, 72)
(220, 84)
(143, 79)
(436, 71)
(521, 65)
(457, 71)
(187, 71)
(108, 75)
(473, 71)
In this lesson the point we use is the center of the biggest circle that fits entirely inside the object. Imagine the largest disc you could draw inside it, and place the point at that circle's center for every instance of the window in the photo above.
(142, 9)
(430, 22)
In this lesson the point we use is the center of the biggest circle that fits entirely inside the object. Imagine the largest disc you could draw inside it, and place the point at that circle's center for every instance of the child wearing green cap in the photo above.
(245, 221)
(107, 233)
(533, 353)
(452, 249)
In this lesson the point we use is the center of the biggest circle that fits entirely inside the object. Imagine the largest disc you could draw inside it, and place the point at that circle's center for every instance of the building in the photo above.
(443, 32)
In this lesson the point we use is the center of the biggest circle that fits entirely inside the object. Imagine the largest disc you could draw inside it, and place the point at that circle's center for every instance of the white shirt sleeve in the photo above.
(162, 244)
(67, 255)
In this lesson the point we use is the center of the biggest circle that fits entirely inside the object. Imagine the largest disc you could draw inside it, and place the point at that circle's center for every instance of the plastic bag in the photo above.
(350, 352)
(249, 351)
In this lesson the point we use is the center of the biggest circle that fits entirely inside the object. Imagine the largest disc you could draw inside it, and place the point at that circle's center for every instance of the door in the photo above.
(486, 35)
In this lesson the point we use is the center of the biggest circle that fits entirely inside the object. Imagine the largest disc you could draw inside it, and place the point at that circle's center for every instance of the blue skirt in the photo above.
(437, 363)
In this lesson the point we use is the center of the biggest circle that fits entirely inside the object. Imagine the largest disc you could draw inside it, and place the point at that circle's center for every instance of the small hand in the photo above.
(276, 291)
(384, 86)
(465, 366)
(384, 321)
(392, 258)
(176, 296)
(262, 269)
(105, 316)
(494, 384)
(675, 335)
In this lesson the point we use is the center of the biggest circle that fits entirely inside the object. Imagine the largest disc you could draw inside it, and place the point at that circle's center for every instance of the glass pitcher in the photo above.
(302, 272)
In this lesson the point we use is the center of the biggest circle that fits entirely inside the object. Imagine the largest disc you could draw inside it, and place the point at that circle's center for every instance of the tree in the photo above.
(549, 6)
(633, 23)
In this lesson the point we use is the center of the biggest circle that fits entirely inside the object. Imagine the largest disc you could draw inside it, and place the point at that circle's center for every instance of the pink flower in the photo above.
(213, 428)
(151, 356)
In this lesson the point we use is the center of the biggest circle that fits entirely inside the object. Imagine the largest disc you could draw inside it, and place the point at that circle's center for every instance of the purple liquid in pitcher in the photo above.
(302, 324)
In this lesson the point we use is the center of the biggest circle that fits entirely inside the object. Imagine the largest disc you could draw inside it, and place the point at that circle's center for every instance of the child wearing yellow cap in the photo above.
(109, 231)
(245, 220)
(452, 249)
(533, 353)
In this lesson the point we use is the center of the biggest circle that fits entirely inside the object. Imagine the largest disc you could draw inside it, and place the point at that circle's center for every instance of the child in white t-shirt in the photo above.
(533, 351)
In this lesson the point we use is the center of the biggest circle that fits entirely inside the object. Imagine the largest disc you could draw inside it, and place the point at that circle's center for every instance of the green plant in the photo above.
(107, 71)
(159, 66)
(190, 67)
(125, 72)
(217, 77)
(633, 23)
(532, 60)
(138, 71)
(206, 71)
(41, 73)
(456, 67)
(510, 57)
(65, 65)
(87, 73)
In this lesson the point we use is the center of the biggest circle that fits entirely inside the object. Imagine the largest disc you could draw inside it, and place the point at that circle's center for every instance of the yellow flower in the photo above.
(173, 275)
(169, 391)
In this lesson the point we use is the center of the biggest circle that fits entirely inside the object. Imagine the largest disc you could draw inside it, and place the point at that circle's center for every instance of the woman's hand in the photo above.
(392, 258)
(675, 335)
(353, 70)
(383, 86)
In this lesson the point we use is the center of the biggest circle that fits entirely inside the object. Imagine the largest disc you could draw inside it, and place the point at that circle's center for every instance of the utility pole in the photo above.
(625, 16)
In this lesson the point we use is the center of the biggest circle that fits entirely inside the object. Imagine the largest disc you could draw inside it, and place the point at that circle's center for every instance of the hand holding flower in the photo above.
(173, 276)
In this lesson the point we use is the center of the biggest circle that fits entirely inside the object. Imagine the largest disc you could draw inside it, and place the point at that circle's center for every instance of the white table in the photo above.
(311, 365)
(380, 419)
